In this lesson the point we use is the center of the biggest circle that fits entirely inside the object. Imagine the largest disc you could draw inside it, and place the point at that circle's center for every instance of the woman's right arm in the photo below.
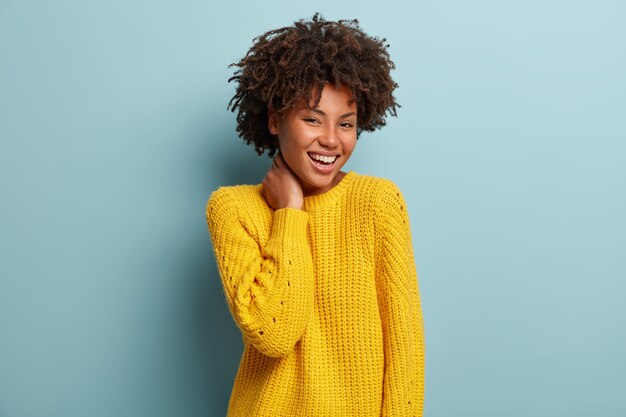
(269, 288)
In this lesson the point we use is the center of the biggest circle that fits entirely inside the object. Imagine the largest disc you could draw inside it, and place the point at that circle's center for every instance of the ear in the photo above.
(272, 121)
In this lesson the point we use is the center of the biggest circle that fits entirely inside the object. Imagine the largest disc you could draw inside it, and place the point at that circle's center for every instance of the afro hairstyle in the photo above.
(286, 65)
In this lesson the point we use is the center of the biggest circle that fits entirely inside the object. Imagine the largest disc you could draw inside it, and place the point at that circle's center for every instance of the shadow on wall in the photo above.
(235, 163)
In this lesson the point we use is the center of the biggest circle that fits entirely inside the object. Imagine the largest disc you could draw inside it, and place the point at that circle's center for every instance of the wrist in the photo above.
(294, 203)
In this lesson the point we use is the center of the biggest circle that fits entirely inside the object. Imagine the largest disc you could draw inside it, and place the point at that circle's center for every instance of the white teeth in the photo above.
(326, 159)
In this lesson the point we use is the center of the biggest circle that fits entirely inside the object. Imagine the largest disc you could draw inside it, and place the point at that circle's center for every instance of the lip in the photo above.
(324, 169)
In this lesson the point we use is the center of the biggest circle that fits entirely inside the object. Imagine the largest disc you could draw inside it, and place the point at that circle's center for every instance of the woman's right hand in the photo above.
(281, 187)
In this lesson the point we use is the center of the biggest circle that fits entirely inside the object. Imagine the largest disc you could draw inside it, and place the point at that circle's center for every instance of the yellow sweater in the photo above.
(326, 299)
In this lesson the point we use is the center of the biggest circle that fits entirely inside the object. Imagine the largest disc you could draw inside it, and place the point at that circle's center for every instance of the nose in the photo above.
(329, 138)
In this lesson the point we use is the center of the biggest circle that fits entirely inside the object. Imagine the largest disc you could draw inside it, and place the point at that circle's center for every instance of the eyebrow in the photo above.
(341, 117)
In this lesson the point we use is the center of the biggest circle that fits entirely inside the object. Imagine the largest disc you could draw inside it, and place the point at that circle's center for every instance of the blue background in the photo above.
(509, 148)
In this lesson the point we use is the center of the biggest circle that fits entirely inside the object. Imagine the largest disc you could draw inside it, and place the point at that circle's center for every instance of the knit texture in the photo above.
(326, 299)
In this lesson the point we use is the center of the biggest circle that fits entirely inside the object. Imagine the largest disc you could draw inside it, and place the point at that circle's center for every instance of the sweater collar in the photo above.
(314, 202)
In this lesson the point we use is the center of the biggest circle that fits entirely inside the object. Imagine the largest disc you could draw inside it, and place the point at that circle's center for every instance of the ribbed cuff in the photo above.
(290, 223)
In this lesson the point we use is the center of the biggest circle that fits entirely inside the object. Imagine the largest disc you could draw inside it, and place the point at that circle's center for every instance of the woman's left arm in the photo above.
(400, 307)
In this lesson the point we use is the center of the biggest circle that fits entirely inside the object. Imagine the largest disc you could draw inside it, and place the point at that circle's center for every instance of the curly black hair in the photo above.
(285, 65)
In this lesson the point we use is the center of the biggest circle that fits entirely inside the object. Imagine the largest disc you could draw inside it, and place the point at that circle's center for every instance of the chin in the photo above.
(314, 182)
(318, 181)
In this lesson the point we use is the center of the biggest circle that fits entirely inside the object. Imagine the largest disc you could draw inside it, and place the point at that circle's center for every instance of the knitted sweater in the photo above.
(326, 299)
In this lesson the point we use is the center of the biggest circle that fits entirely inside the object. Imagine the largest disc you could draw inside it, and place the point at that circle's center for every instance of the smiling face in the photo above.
(316, 143)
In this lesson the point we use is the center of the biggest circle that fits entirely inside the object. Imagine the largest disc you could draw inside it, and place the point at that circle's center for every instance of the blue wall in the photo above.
(509, 147)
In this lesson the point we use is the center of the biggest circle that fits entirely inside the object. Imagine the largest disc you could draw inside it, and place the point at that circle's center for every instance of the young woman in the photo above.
(317, 264)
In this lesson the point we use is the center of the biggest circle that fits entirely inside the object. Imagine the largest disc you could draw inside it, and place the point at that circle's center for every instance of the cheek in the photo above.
(294, 140)
(349, 146)
(290, 150)
(285, 141)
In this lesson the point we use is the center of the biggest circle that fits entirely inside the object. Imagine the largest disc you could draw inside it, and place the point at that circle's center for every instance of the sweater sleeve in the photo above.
(400, 308)
(269, 286)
